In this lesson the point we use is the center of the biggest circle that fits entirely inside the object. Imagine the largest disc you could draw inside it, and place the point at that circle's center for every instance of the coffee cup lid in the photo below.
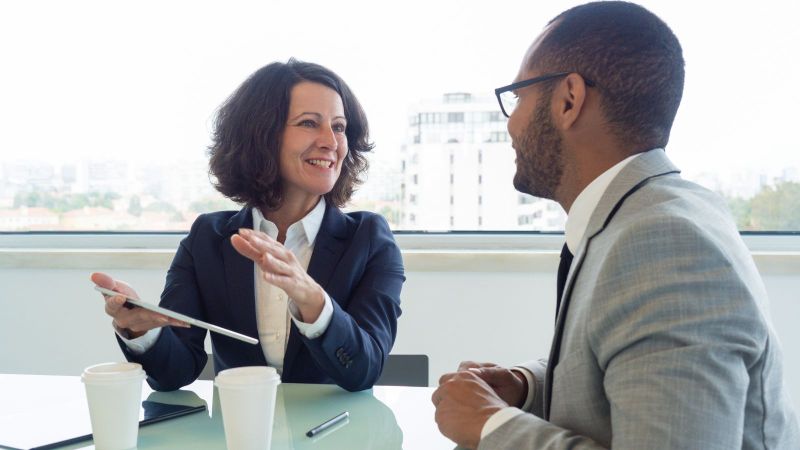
(249, 375)
(113, 372)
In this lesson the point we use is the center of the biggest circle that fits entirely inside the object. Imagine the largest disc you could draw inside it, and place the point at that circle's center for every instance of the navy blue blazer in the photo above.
(356, 261)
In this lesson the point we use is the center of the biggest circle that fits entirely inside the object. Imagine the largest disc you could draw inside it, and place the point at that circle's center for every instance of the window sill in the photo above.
(416, 260)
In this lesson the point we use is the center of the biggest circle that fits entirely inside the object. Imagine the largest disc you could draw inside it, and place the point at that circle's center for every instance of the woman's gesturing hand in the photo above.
(281, 268)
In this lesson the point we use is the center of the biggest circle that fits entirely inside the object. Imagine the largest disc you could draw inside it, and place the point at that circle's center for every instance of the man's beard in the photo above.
(540, 163)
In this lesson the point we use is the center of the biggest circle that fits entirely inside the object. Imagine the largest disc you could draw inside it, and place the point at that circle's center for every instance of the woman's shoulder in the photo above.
(367, 219)
(220, 222)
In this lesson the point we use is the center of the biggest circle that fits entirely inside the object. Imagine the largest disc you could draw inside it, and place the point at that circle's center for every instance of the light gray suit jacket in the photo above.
(663, 340)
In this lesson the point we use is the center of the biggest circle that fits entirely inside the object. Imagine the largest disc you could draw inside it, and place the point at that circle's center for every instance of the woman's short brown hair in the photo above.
(248, 130)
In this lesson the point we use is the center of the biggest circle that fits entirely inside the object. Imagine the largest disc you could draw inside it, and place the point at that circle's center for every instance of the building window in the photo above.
(457, 97)
(455, 117)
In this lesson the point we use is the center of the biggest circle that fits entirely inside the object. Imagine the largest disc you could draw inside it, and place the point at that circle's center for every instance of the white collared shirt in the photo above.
(577, 220)
(273, 307)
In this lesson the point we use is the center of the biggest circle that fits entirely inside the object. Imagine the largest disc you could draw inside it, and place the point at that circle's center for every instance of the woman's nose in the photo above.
(327, 138)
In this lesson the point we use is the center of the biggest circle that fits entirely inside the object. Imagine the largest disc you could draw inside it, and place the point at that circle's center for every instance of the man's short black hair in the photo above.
(633, 57)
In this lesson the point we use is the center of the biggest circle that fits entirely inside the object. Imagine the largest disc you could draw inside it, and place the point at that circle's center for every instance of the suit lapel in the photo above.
(240, 277)
(633, 176)
(329, 247)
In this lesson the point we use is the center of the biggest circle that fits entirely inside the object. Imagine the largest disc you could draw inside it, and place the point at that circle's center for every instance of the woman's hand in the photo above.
(281, 269)
(133, 322)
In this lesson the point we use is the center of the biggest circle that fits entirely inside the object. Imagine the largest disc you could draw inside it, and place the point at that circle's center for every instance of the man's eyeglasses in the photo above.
(508, 98)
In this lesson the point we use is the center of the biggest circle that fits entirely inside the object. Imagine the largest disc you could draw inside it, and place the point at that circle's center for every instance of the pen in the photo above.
(327, 424)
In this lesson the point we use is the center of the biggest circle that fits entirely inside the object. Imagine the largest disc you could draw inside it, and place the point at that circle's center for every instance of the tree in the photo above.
(776, 208)
(740, 208)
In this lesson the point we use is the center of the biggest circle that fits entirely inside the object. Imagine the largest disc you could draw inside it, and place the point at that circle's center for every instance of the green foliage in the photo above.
(160, 206)
(66, 202)
(740, 208)
(777, 209)
(213, 203)
(772, 209)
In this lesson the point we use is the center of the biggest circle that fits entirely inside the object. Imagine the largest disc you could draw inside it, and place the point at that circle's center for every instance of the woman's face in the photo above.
(314, 142)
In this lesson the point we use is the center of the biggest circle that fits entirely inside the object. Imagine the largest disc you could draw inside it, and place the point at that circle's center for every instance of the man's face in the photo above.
(537, 144)
(535, 139)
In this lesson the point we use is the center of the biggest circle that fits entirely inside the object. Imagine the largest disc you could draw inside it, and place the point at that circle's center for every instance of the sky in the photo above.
(141, 80)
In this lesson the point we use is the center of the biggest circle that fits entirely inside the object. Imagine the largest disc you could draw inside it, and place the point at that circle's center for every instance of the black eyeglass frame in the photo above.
(530, 81)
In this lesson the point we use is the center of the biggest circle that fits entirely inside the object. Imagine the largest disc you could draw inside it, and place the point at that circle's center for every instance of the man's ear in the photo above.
(569, 99)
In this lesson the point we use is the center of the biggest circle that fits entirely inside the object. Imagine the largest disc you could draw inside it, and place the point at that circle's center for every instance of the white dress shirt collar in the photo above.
(585, 203)
(307, 228)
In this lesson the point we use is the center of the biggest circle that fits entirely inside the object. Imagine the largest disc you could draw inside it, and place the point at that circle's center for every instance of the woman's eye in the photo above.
(308, 123)
(339, 127)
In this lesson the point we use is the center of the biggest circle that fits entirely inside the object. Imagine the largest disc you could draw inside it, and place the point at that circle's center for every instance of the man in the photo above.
(662, 336)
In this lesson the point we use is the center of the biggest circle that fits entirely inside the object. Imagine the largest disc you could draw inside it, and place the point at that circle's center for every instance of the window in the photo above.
(457, 117)
(115, 139)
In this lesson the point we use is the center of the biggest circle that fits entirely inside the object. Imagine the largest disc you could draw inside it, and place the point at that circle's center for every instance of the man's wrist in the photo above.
(500, 417)
(527, 379)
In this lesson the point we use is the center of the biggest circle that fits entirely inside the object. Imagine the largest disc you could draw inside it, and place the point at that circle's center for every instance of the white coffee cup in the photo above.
(114, 393)
(247, 396)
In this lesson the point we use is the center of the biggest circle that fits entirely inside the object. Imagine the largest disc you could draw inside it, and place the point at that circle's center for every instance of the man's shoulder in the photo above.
(671, 213)
(671, 200)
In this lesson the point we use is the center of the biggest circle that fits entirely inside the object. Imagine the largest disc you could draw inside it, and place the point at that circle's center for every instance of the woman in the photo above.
(319, 288)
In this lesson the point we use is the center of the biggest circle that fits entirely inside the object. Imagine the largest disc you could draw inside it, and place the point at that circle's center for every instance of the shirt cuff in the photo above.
(313, 330)
(143, 343)
(498, 419)
(526, 406)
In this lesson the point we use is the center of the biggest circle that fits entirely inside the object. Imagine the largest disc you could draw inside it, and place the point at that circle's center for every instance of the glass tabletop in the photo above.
(52, 408)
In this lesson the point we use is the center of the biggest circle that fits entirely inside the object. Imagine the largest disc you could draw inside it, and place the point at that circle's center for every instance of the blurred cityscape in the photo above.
(454, 172)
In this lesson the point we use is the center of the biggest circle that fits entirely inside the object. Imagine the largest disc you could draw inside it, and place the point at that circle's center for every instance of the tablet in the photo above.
(179, 316)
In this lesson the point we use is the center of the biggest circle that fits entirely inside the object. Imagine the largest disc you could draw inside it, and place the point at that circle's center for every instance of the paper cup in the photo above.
(247, 396)
(114, 393)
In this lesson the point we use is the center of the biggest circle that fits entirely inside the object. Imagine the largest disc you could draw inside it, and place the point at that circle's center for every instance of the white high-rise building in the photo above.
(458, 167)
